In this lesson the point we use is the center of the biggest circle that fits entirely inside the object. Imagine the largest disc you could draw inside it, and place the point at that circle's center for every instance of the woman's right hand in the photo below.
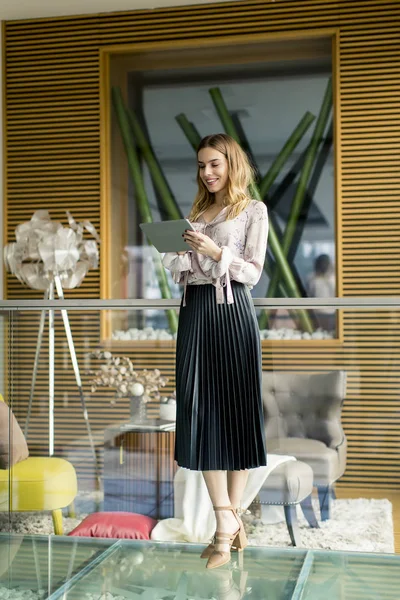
(181, 253)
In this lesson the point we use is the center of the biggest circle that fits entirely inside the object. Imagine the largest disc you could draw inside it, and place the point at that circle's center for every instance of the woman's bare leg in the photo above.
(217, 486)
(236, 483)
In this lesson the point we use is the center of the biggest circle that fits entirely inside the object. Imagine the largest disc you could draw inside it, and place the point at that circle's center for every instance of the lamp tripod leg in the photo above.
(75, 365)
(35, 367)
(51, 371)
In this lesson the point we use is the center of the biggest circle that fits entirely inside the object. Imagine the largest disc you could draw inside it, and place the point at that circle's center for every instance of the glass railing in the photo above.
(90, 415)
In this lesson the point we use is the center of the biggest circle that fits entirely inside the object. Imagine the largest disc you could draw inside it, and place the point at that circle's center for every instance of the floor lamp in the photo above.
(55, 283)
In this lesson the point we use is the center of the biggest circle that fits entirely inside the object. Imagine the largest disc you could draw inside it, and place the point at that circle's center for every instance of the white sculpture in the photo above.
(45, 249)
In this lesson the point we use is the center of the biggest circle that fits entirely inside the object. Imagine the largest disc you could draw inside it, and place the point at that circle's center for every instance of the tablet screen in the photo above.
(166, 236)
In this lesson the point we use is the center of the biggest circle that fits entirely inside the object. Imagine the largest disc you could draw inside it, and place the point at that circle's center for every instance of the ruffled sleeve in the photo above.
(248, 269)
(177, 264)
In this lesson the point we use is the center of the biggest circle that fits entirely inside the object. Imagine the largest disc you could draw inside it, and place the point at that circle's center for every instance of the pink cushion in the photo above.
(123, 525)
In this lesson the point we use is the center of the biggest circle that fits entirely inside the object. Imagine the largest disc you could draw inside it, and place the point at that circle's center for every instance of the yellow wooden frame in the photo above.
(105, 144)
(5, 149)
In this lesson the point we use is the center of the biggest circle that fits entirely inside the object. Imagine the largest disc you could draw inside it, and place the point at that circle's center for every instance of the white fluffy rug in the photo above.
(356, 525)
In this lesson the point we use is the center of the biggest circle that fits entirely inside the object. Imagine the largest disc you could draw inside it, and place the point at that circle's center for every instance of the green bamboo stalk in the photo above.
(158, 177)
(280, 258)
(190, 131)
(316, 140)
(303, 181)
(224, 113)
(317, 170)
(263, 316)
(285, 153)
(268, 271)
(141, 196)
(244, 142)
(318, 167)
(194, 138)
(132, 157)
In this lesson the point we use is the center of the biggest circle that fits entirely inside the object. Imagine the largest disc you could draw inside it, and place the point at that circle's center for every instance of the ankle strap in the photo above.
(220, 535)
(223, 507)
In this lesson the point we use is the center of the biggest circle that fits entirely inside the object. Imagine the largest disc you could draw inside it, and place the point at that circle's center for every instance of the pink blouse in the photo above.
(243, 242)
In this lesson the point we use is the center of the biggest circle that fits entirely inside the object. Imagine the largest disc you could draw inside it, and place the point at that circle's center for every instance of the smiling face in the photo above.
(213, 170)
(224, 176)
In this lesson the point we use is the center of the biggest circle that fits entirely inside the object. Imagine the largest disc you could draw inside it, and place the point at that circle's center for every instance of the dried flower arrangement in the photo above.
(118, 372)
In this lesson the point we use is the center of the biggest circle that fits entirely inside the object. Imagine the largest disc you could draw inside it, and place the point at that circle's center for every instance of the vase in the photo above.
(137, 409)
(168, 411)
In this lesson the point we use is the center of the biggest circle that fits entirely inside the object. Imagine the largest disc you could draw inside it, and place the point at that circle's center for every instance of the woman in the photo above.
(219, 425)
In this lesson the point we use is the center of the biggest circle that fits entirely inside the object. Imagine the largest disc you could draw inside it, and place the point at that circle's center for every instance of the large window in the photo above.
(276, 98)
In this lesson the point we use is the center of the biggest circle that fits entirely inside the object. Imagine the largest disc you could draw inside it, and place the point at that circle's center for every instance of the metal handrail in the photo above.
(356, 302)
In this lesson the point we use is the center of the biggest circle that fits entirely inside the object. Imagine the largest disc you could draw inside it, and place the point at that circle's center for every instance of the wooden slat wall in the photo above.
(53, 161)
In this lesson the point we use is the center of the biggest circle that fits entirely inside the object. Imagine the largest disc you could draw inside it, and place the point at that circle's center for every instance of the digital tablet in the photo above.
(166, 236)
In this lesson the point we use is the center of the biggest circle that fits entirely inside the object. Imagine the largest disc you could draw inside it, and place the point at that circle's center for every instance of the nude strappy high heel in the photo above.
(238, 539)
(210, 548)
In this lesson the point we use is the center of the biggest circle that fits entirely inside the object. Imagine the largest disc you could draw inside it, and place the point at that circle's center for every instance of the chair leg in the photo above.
(308, 512)
(325, 496)
(71, 510)
(292, 524)
(57, 521)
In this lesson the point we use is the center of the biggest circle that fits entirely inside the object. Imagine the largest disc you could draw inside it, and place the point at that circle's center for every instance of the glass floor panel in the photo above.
(67, 568)
(41, 564)
(353, 575)
(136, 570)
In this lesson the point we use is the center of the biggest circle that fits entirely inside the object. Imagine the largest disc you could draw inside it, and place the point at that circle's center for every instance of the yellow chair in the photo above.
(39, 484)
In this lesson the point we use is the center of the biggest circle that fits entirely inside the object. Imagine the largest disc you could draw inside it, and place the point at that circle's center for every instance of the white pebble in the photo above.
(285, 333)
(317, 335)
(20, 593)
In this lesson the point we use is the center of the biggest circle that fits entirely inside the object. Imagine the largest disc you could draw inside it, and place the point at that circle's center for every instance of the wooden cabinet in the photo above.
(139, 470)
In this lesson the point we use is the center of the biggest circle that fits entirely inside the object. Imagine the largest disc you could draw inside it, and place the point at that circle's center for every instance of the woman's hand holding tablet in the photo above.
(167, 236)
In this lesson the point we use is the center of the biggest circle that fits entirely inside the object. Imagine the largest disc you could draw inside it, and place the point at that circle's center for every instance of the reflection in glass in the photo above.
(138, 469)
(36, 566)
(77, 568)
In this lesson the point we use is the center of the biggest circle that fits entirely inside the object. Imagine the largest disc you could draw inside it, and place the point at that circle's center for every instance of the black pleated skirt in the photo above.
(219, 421)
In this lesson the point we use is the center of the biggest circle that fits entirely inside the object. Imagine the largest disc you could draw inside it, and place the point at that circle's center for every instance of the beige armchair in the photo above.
(302, 415)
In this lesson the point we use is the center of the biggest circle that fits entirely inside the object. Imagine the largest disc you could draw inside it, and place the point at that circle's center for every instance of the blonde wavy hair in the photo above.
(240, 177)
